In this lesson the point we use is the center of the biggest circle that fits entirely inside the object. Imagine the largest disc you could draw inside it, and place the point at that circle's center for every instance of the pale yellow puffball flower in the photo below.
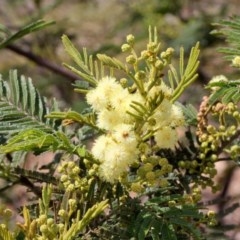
(116, 151)
(236, 62)
(100, 97)
(176, 118)
(216, 79)
(166, 137)
(109, 119)
(100, 146)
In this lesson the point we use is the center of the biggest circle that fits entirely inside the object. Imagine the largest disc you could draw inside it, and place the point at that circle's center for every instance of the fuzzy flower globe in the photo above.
(116, 151)
(166, 137)
(113, 104)
(100, 97)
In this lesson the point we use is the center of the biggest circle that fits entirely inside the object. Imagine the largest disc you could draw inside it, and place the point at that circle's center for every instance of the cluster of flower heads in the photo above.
(118, 147)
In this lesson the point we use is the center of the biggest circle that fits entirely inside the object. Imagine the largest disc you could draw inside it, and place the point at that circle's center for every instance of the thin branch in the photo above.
(43, 62)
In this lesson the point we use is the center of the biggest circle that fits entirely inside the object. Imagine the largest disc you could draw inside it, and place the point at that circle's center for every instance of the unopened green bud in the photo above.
(42, 219)
(70, 187)
(50, 221)
(64, 178)
(61, 227)
(126, 47)
(151, 46)
(44, 228)
(144, 54)
(148, 167)
(170, 51)
(130, 39)
(152, 121)
(236, 114)
(76, 170)
(131, 59)
(72, 203)
(150, 176)
(71, 164)
(91, 172)
(194, 163)
(211, 129)
(163, 162)
(214, 157)
(182, 164)
(222, 128)
(140, 75)
(62, 213)
(123, 82)
(159, 64)
(172, 203)
(136, 187)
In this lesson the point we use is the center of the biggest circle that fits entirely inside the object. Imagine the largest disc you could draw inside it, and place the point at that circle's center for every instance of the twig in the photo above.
(43, 62)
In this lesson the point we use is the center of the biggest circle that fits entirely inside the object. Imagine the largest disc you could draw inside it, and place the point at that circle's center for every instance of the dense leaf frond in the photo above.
(190, 113)
(179, 81)
(22, 107)
(35, 140)
(230, 30)
(225, 91)
(90, 70)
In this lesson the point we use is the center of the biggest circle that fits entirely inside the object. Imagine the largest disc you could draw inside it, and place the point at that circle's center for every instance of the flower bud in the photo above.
(140, 75)
(126, 47)
(131, 59)
(130, 39)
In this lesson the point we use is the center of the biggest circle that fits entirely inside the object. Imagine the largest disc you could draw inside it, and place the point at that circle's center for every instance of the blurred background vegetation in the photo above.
(101, 26)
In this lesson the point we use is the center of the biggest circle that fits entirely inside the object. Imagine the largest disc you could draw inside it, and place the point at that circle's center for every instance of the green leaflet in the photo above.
(225, 91)
(88, 119)
(22, 107)
(180, 81)
(35, 139)
(229, 29)
(190, 113)
(32, 27)
(91, 213)
(88, 68)
(167, 232)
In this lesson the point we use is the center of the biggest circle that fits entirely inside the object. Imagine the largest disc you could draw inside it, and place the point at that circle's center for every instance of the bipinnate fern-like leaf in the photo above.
(149, 223)
(225, 91)
(22, 107)
(190, 113)
(38, 140)
(230, 30)
(186, 75)
(79, 225)
(89, 69)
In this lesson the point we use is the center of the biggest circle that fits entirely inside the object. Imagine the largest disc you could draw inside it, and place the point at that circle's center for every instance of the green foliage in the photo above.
(187, 74)
(35, 140)
(89, 69)
(225, 91)
(32, 27)
(190, 114)
(229, 29)
(22, 107)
